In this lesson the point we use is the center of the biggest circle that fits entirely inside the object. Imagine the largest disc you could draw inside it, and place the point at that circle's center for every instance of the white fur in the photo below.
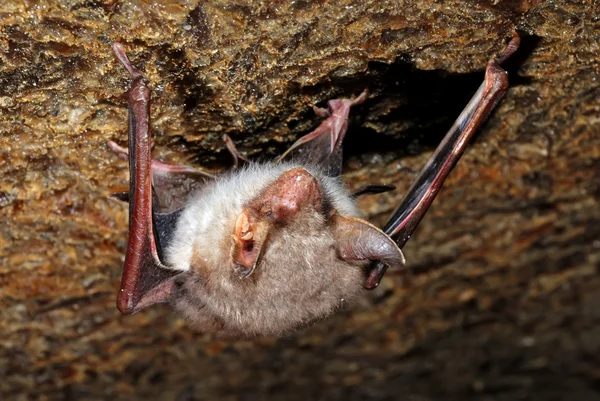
(210, 215)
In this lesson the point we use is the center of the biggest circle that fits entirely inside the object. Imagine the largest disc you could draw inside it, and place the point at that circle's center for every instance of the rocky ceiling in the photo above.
(501, 298)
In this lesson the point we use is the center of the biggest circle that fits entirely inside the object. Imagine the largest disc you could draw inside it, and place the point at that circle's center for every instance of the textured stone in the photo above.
(500, 301)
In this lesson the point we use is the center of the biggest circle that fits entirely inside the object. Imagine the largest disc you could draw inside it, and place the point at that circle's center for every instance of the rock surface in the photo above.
(501, 300)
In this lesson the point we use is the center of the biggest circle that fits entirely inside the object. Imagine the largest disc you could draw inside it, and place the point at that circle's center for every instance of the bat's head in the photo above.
(279, 259)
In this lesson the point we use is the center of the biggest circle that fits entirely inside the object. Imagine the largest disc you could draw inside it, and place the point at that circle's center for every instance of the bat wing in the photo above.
(145, 280)
(172, 183)
(164, 224)
(410, 212)
(323, 146)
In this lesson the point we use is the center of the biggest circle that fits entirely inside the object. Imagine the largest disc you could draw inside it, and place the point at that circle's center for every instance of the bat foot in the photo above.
(512, 47)
(327, 138)
(341, 107)
(119, 51)
(237, 156)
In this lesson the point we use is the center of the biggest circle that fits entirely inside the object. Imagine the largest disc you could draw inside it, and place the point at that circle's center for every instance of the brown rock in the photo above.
(500, 300)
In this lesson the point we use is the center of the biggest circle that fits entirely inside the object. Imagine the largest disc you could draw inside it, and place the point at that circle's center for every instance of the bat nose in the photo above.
(295, 190)
(291, 192)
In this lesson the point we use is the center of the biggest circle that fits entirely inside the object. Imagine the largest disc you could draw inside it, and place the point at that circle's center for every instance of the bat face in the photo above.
(264, 260)
(267, 248)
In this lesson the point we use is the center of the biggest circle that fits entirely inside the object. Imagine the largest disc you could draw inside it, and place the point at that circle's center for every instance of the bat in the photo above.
(267, 248)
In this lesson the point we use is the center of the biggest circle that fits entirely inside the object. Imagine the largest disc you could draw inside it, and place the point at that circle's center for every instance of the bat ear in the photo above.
(358, 240)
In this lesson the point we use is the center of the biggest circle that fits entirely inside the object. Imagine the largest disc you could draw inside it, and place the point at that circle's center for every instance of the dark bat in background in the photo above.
(269, 247)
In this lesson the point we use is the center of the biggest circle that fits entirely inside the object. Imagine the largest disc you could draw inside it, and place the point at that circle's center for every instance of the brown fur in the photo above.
(300, 279)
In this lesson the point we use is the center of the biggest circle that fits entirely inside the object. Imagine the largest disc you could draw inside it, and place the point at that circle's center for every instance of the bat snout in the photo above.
(294, 191)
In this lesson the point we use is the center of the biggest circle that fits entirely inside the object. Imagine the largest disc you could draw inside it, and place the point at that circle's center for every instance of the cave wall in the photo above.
(501, 297)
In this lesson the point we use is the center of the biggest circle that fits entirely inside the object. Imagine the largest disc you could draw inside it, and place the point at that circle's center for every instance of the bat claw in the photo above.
(323, 144)
(158, 167)
(237, 156)
(321, 112)
(360, 98)
(512, 47)
(119, 51)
